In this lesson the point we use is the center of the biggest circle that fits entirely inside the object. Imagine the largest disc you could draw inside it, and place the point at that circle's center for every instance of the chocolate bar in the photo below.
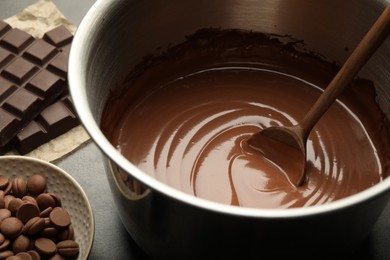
(60, 116)
(53, 121)
(32, 76)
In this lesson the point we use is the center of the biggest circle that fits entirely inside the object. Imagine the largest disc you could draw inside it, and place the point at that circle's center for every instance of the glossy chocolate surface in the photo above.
(188, 116)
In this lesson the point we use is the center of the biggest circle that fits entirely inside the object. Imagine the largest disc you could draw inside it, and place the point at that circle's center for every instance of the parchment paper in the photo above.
(36, 20)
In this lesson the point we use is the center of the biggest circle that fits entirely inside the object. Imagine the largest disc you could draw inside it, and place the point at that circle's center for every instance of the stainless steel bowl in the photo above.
(168, 224)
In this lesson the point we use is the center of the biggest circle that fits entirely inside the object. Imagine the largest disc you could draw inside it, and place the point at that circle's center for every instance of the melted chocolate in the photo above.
(189, 113)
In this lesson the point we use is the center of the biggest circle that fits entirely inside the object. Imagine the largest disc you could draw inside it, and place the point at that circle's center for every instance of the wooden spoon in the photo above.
(285, 146)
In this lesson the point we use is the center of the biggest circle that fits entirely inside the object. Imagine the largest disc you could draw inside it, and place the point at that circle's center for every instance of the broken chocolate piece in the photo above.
(53, 121)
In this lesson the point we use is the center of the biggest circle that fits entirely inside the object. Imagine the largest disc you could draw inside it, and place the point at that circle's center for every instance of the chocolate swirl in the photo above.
(191, 133)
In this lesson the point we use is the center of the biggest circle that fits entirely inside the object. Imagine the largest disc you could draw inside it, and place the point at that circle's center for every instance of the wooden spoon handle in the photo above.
(369, 44)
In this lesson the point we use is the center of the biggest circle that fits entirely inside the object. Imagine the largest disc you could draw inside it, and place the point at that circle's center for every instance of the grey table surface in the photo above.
(111, 240)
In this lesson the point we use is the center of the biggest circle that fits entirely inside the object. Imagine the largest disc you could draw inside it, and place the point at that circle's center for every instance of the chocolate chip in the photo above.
(4, 181)
(56, 198)
(66, 233)
(4, 213)
(49, 232)
(30, 199)
(7, 189)
(6, 253)
(44, 201)
(34, 255)
(60, 217)
(36, 184)
(68, 248)
(26, 211)
(14, 204)
(21, 244)
(6, 243)
(19, 187)
(34, 226)
(45, 246)
(7, 199)
(11, 227)
(46, 212)
(2, 238)
(24, 256)
(47, 222)
(2, 200)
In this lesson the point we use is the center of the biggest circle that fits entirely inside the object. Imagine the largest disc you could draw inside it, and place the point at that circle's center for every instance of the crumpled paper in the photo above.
(36, 20)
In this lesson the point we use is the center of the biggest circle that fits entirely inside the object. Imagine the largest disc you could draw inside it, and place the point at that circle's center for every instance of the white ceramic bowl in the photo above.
(73, 198)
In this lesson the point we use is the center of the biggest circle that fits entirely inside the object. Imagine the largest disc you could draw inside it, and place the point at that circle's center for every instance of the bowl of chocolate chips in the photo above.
(171, 92)
(44, 212)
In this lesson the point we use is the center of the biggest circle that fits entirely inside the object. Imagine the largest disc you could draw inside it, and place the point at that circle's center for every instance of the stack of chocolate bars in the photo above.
(35, 105)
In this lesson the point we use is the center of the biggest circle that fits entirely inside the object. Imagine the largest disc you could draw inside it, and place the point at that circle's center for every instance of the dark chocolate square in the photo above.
(59, 65)
(58, 36)
(6, 89)
(16, 40)
(55, 114)
(30, 130)
(46, 84)
(19, 71)
(4, 27)
(7, 121)
(5, 57)
(21, 102)
(30, 137)
(40, 52)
